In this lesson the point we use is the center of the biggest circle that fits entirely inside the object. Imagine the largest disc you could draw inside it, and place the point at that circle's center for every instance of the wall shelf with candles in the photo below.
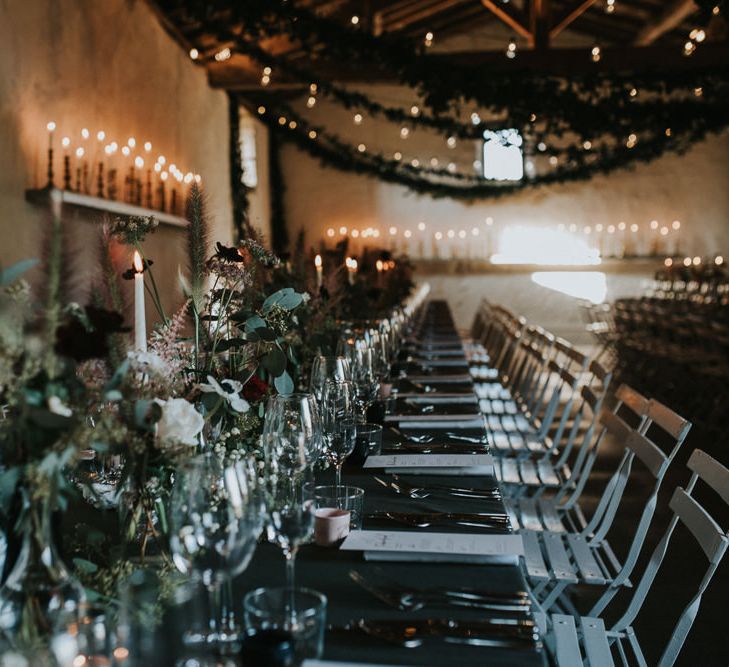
(42, 197)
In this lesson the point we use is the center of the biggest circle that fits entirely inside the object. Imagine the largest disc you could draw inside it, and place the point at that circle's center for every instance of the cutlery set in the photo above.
(505, 618)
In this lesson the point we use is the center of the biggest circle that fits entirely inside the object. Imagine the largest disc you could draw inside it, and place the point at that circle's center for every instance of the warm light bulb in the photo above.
(404, 132)
(414, 110)
(331, 232)
(355, 233)
(599, 227)
(407, 234)
(194, 53)
(138, 264)
(342, 230)
(451, 233)
(664, 231)
(354, 20)
(668, 262)
(361, 148)
(438, 236)
(261, 110)
(489, 221)
(718, 260)
(611, 229)
(379, 265)
(311, 101)
(223, 55)
(634, 228)
(687, 261)
(654, 224)
(312, 134)
(421, 226)
(696, 260)
(676, 224)
(358, 119)
(596, 53)
(462, 234)
(621, 226)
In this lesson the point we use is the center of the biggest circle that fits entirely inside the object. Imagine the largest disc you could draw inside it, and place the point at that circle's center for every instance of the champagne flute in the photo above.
(215, 521)
(338, 423)
(328, 368)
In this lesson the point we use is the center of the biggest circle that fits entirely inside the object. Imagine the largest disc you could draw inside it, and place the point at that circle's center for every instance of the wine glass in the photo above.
(338, 411)
(292, 430)
(365, 379)
(291, 515)
(328, 368)
(215, 521)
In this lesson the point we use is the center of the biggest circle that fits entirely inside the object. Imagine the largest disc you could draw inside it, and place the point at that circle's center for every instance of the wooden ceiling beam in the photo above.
(508, 15)
(241, 74)
(425, 11)
(671, 17)
(572, 14)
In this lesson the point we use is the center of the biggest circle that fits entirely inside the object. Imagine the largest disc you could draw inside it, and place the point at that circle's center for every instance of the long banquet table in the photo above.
(327, 569)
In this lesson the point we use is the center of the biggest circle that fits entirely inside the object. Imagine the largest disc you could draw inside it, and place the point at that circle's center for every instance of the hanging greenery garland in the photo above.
(332, 151)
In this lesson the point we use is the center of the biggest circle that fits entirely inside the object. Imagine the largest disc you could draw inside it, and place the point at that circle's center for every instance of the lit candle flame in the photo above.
(379, 265)
(138, 263)
(317, 261)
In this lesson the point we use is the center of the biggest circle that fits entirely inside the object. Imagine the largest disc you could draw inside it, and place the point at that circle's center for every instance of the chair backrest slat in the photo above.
(647, 452)
(711, 472)
(707, 532)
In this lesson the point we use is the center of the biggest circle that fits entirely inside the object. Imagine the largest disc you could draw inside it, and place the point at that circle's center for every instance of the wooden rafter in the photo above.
(671, 17)
(573, 13)
(509, 16)
(240, 74)
(425, 11)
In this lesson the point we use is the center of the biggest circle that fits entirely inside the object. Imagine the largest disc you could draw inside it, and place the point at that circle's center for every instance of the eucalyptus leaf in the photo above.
(85, 566)
(287, 298)
(146, 414)
(266, 334)
(12, 273)
(50, 420)
(255, 322)
(274, 362)
(230, 343)
(284, 384)
(118, 377)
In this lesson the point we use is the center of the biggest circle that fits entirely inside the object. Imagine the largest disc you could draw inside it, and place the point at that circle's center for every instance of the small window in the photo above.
(247, 138)
(502, 155)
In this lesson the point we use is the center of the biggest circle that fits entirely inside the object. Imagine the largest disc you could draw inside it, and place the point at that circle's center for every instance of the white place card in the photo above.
(434, 464)
(436, 379)
(435, 547)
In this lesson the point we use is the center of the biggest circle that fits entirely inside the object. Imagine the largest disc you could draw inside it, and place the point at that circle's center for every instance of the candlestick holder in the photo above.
(66, 172)
(111, 184)
(85, 177)
(161, 196)
(173, 201)
(78, 179)
(100, 181)
(50, 167)
(149, 202)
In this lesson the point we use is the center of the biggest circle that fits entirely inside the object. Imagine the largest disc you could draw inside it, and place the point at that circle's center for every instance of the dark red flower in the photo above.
(255, 389)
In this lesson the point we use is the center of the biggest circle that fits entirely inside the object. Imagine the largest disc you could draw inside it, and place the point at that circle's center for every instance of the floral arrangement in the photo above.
(92, 423)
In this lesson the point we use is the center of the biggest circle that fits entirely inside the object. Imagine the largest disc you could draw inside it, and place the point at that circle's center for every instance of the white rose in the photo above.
(180, 422)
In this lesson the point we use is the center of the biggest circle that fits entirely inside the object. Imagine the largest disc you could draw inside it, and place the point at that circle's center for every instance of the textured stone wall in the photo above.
(105, 65)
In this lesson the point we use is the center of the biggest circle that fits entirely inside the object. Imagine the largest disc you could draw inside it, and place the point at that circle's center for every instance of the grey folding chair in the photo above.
(594, 644)
(555, 560)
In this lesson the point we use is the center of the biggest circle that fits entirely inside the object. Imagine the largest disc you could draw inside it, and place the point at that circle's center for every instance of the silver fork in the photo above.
(420, 493)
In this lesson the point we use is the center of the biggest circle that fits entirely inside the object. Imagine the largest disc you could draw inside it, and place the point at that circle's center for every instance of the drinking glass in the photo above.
(269, 608)
(339, 419)
(349, 498)
(215, 521)
(328, 368)
(292, 431)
